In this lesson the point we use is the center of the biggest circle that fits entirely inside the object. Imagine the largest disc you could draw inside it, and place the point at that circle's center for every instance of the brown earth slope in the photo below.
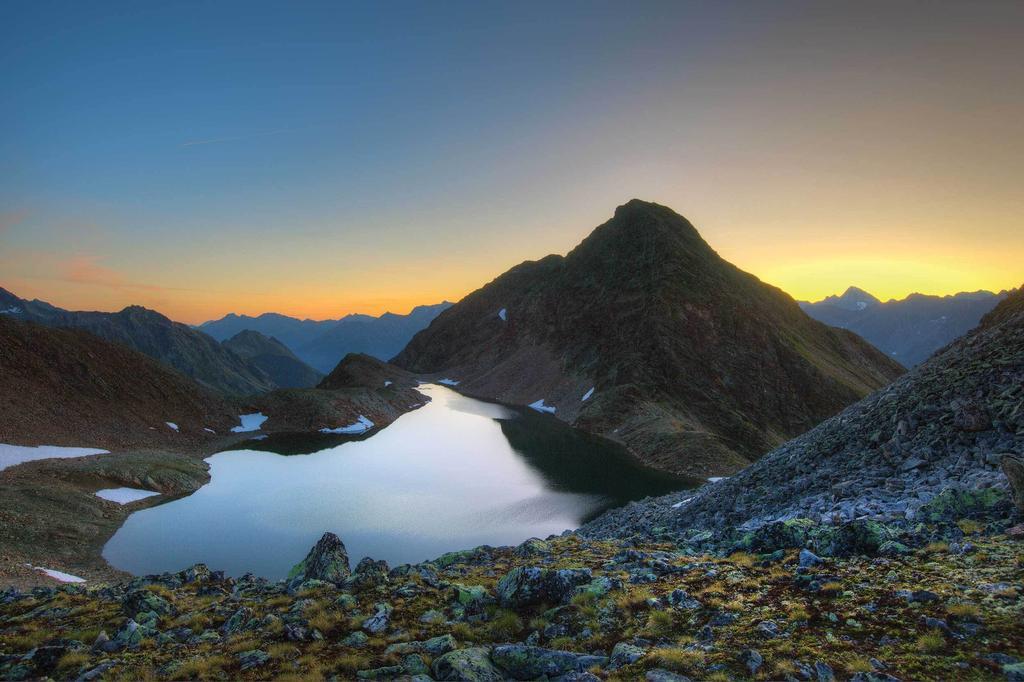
(697, 366)
(68, 387)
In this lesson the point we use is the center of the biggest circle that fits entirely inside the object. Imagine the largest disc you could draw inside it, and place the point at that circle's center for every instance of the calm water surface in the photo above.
(453, 474)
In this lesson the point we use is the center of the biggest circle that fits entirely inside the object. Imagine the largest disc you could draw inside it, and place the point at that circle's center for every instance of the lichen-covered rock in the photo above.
(143, 601)
(661, 675)
(237, 621)
(525, 585)
(1013, 467)
(436, 646)
(327, 561)
(523, 662)
(625, 653)
(467, 665)
(953, 504)
(368, 573)
(856, 537)
(253, 658)
(380, 620)
(789, 534)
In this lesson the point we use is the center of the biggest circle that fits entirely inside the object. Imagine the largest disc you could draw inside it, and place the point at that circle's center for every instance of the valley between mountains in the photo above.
(807, 505)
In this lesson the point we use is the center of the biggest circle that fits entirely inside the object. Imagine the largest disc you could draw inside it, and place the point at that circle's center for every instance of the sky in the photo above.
(319, 159)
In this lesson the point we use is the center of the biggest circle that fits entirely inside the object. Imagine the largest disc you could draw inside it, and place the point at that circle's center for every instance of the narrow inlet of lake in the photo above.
(454, 474)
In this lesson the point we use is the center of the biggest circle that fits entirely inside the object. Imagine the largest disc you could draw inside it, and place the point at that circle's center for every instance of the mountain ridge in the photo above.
(191, 352)
(910, 329)
(637, 312)
(323, 343)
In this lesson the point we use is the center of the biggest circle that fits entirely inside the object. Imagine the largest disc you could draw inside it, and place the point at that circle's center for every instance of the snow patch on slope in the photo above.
(60, 576)
(124, 495)
(541, 407)
(360, 426)
(16, 454)
(250, 422)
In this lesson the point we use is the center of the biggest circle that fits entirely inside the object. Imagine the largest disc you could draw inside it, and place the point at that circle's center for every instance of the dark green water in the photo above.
(453, 474)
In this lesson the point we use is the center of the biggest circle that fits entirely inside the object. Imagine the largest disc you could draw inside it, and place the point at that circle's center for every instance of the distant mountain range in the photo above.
(192, 353)
(643, 334)
(907, 330)
(322, 344)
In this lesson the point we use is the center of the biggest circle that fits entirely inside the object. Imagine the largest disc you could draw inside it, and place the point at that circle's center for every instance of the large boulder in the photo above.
(523, 662)
(525, 585)
(467, 665)
(327, 561)
(861, 536)
(1013, 467)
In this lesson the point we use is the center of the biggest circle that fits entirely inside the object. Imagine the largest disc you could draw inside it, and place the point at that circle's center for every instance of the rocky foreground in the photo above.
(566, 609)
(885, 544)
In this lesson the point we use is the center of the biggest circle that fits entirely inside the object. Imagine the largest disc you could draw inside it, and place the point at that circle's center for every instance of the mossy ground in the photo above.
(855, 613)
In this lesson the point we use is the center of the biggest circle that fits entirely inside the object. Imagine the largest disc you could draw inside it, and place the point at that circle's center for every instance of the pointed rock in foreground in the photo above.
(327, 561)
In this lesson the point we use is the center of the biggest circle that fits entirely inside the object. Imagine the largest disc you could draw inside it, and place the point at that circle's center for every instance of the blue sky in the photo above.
(323, 158)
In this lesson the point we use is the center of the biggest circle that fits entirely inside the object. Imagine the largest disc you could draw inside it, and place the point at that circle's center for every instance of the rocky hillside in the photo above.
(361, 370)
(360, 387)
(645, 335)
(68, 387)
(192, 353)
(907, 330)
(274, 358)
(935, 439)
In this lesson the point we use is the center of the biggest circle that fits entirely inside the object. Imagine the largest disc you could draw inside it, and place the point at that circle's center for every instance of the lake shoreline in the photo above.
(50, 516)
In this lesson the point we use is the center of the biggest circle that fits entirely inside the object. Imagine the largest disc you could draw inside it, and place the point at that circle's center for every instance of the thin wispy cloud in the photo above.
(9, 219)
(85, 269)
(234, 138)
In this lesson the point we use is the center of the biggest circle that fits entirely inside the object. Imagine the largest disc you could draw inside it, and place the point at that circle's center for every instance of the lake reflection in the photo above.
(453, 474)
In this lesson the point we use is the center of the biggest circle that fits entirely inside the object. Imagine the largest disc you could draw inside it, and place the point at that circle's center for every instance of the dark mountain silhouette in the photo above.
(274, 358)
(696, 366)
(192, 353)
(69, 387)
(907, 330)
(322, 344)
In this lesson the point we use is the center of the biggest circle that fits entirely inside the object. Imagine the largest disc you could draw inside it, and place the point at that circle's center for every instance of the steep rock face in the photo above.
(274, 358)
(937, 436)
(696, 366)
(68, 387)
(192, 353)
(907, 330)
